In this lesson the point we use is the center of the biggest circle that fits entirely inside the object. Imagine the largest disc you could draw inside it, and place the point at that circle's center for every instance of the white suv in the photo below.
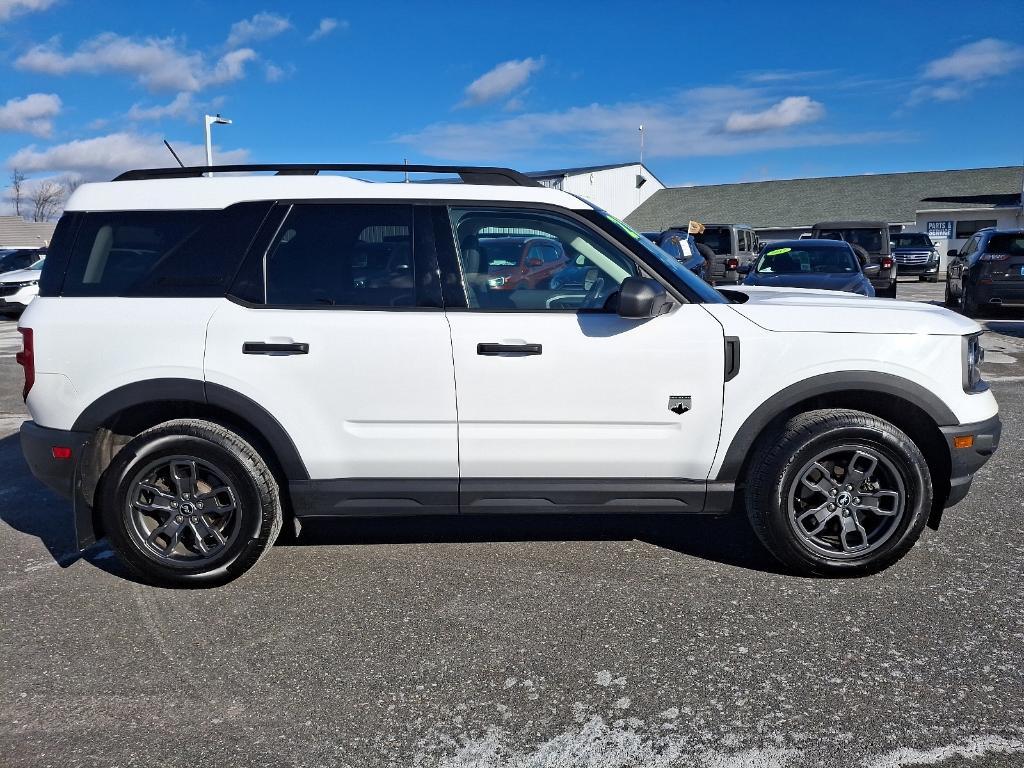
(212, 357)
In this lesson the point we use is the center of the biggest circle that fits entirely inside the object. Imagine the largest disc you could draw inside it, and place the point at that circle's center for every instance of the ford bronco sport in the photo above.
(211, 357)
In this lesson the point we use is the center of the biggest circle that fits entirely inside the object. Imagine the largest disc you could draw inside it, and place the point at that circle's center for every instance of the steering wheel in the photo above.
(593, 294)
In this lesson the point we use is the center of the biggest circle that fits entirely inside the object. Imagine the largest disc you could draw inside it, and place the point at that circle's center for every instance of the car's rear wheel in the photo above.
(968, 304)
(189, 503)
(838, 493)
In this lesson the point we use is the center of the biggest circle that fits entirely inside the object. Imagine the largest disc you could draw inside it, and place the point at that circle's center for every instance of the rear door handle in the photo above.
(264, 348)
(510, 350)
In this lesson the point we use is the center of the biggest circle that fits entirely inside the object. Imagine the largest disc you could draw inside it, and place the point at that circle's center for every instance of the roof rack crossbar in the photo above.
(468, 174)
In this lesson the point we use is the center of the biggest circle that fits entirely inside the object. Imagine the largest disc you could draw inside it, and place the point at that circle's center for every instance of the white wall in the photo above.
(1005, 218)
(613, 189)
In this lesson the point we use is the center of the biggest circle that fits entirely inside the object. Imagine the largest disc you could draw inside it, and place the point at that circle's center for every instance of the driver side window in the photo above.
(578, 269)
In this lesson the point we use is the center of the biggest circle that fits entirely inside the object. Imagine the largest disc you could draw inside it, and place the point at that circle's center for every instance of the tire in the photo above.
(949, 300)
(933, 279)
(774, 489)
(891, 291)
(189, 465)
(968, 304)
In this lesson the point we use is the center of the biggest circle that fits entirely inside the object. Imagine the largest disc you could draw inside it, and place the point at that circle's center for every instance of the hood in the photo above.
(837, 282)
(20, 276)
(794, 310)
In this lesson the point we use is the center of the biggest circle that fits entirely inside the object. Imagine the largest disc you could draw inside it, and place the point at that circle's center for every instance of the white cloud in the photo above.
(105, 156)
(501, 81)
(687, 124)
(9, 8)
(940, 93)
(183, 106)
(274, 73)
(159, 64)
(325, 27)
(793, 110)
(32, 114)
(262, 26)
(977, 61)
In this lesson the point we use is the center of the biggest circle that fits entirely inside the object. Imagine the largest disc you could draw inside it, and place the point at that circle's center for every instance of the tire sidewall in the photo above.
(909, 463)
(144, 450)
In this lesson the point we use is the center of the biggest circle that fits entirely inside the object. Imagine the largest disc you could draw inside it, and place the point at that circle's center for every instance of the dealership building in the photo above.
(948, 205)
(16, 233)
(617, 188)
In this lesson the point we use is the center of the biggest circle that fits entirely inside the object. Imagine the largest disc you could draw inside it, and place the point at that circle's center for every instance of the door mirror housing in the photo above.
(872, 270)
(952, 253)
(641, 298)
(744, 269)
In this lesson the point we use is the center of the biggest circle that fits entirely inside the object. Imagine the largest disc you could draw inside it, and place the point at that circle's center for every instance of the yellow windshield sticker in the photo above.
(778, 251)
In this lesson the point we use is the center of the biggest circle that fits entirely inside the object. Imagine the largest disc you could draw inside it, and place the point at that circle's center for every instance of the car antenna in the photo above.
(171, 150)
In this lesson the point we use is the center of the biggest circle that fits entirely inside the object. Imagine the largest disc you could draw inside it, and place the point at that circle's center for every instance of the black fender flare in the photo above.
(203, 393)
(828, 383)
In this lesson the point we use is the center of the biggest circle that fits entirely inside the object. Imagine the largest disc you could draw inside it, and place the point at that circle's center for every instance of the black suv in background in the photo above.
(988, 270)
(873, 237)
(916, 254)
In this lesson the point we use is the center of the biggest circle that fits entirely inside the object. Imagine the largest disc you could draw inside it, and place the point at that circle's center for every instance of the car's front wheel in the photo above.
(189, 503)
(838, 493)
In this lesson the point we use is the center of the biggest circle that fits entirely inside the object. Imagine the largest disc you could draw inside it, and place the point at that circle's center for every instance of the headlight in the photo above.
(496, 282)
(22, 285)
(974, 356)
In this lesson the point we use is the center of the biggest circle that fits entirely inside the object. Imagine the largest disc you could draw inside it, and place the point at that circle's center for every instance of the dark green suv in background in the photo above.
(872, 237)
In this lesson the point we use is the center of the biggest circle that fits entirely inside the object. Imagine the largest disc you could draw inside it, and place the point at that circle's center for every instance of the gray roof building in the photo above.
(15, 232)
(799, 203)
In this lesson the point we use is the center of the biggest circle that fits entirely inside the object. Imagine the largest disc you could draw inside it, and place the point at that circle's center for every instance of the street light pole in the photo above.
(212, 120)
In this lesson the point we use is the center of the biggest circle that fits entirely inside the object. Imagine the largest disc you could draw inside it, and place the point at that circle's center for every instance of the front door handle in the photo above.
(509, 350)
(264, 348)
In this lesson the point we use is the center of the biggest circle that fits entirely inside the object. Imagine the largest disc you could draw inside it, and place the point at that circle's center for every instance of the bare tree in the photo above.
(17, 182)
(46, 198)
(70, 184)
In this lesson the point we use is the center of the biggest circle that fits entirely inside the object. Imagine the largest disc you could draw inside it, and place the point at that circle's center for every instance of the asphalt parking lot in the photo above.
(522, 642)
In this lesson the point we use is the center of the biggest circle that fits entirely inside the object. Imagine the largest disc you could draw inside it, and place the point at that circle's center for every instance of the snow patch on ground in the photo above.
(970, 749)
(598, 744)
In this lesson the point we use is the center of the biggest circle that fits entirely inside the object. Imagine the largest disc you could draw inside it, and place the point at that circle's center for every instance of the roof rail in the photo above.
(469, 174)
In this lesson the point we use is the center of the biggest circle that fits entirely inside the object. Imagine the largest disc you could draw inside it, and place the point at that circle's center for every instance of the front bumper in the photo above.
(927, 268)
(965, 462)
(60, 475)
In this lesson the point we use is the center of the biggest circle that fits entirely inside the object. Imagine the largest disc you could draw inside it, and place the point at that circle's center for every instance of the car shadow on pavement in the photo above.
(724, 539)
(29, 507)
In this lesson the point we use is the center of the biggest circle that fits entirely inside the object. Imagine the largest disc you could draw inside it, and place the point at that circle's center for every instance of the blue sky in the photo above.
(726, 91)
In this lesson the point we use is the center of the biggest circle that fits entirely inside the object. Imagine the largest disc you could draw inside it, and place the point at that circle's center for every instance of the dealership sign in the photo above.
(940, 228)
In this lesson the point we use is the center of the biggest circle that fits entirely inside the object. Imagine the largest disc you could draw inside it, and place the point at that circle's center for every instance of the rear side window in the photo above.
(160, 253)
(343, 255)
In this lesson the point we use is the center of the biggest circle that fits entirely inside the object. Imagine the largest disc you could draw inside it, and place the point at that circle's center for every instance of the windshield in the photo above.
(37, 265)
(912, 240)
(807, 259)
(718, 239)
(703, 291)
(868, 239)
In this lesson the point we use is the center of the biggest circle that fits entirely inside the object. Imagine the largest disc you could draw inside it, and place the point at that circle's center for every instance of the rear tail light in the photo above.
(994, 257)
(27, 359)
(885, 262)
(731, 264)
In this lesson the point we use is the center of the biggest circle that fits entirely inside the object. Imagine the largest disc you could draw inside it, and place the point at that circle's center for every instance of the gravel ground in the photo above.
(521, 642)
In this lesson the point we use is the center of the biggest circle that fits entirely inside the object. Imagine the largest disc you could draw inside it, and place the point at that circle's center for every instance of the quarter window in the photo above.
(577, 268)
(160, 253)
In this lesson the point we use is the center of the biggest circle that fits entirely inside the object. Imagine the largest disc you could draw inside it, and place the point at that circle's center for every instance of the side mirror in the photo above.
(952, 253)
(872, 270)
(641, 298)
(744, 269)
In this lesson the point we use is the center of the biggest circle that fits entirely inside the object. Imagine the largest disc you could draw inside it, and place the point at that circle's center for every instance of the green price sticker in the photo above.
(778, 251)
